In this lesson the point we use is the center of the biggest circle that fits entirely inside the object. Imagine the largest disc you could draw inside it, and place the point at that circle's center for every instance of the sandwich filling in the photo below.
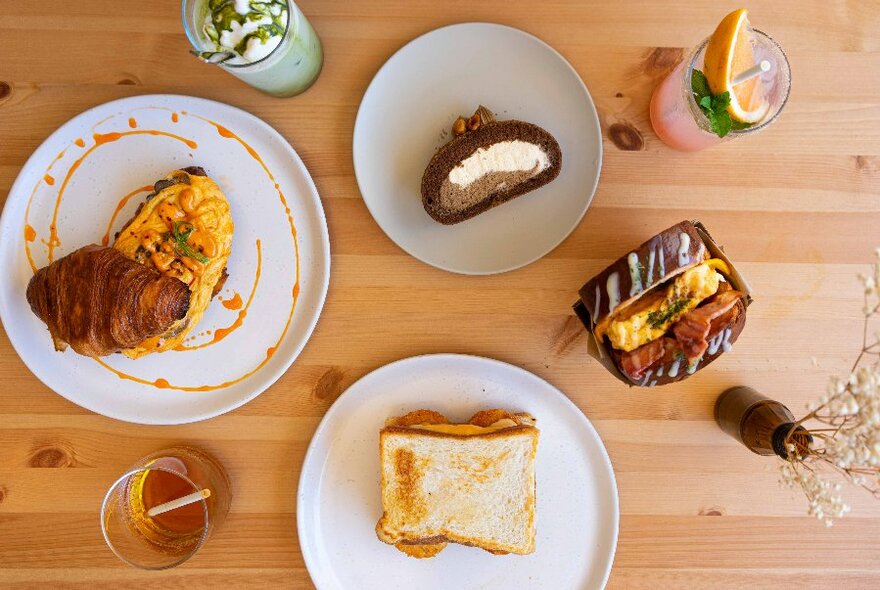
(673, 322)
(184, 230)
(491, 169)
(467, 429)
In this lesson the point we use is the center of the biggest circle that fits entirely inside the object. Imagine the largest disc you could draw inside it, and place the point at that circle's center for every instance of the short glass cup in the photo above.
(165, 540)
(679, 121)
(290, 69)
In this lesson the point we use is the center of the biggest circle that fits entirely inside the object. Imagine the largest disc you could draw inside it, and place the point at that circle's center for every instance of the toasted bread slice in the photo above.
(488, 166)
(472, 484)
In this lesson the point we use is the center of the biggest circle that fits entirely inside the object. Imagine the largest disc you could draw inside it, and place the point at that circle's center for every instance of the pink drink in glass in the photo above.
(676, 117)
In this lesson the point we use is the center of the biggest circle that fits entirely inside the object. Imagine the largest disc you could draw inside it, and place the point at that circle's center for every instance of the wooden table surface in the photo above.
(797, 207)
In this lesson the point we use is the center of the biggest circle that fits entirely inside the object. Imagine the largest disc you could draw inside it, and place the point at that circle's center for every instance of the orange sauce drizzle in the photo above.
(221, 333)
(122, 203)
(132, 122)
(233, 304)
(79, 142)
(27, 213)
(163, 383)
(100, 139)
(224, 132)
(174, 118)
(50, 180)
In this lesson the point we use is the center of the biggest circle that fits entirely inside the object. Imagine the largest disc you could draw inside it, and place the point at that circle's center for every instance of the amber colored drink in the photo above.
(168, 539)
(176, 530)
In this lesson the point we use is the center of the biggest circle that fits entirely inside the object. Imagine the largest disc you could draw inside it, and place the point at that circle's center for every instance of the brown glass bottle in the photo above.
(758, 422)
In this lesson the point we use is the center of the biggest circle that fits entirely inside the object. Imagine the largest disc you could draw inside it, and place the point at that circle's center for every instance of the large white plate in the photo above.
(338, 503)
(122, 164)
(413, 101)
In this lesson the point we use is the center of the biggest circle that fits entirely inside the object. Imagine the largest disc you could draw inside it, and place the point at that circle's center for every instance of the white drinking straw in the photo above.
(753, 72)
(174, 504)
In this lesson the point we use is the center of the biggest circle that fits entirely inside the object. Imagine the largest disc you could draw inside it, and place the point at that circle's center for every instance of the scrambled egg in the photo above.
(184, 231)
(650, 316)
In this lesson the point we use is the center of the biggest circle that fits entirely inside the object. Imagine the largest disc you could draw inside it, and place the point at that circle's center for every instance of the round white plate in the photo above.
(409, 109)
(111, 166)
(338, 502)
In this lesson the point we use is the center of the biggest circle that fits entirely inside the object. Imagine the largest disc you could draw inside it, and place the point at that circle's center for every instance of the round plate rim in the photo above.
(592, 111)
(323, 425)
(271, 377)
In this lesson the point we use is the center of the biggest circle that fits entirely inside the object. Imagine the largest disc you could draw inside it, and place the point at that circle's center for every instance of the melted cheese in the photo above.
(466, 429)
(687, 291)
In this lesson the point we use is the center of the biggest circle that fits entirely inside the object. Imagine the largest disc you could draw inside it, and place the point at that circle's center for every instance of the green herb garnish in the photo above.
(714, 106)
(657, 319)
(223, 12)
(180, 234)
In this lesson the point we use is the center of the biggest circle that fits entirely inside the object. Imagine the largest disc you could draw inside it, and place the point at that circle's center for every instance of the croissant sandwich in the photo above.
(99, 302)
(184, 230)
(666, 309)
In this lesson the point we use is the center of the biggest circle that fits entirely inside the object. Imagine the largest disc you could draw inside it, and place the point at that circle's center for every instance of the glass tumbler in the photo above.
(289, 69)
(162, 510)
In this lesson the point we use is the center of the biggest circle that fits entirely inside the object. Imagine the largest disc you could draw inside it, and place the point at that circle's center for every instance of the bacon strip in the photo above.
(636, 362)
(692, 330)
(692, 333)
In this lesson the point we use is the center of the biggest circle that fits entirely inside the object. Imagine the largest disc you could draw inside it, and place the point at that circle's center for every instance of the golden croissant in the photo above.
(99, 302)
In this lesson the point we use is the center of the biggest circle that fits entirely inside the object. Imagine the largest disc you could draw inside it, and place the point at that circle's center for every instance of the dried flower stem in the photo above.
(846, 438)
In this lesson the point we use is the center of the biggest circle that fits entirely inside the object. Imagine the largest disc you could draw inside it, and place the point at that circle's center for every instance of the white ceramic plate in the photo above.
(409, 108)
(338, 503)
(114, 165)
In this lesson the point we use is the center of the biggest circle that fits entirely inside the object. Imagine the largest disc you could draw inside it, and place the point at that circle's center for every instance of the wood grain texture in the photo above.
(797, 207)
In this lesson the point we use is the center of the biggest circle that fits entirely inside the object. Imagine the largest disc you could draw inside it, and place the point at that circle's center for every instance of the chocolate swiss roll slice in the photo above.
(486, 164)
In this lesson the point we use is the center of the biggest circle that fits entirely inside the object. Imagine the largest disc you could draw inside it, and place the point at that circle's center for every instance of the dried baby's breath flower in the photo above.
(844, 425)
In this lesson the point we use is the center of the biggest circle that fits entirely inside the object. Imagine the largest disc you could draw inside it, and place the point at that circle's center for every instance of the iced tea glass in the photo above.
(168, 539)
(677, 118)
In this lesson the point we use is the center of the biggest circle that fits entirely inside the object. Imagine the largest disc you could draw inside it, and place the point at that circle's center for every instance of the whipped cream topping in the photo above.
(504, 156)
(250, 30)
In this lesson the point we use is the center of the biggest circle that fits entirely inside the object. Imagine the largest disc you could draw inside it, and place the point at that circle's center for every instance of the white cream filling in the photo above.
(504, 156)
(256, 49)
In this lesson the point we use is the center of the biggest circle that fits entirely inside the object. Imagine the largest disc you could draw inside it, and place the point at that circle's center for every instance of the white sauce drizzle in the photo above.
(692, 368)
(684, 244)
(726, 344)
(660, 371)
(662, 262)
(651, 256)
(612, 286)
(647, 376)
(720, 340)
(652, 383)
(715, 343)
(635, 277)
(598, 306)
(673, 369)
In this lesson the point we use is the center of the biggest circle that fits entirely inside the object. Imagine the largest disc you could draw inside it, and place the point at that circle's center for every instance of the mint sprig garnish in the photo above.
(714, 106)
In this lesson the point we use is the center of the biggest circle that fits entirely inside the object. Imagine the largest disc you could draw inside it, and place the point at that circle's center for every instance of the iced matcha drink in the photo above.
(269, 45)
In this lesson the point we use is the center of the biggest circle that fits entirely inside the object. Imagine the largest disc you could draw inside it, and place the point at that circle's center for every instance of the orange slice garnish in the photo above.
(728, 53)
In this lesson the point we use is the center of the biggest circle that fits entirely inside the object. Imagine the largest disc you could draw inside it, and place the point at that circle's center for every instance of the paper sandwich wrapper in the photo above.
(597, 350)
